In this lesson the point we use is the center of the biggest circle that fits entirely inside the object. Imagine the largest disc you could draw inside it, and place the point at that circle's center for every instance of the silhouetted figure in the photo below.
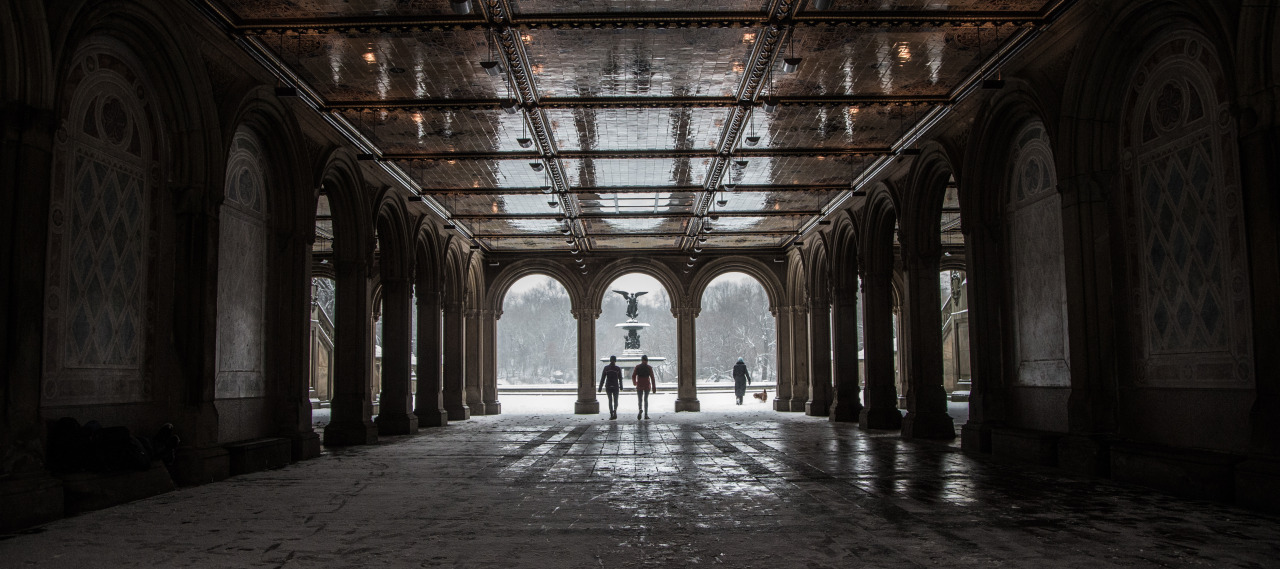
(740, 379)
(611, 383)
(642, 378)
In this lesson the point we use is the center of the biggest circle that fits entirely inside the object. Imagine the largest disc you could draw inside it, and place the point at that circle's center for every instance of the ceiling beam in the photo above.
(634, 103)
(639, 154)
(624, 215)
(650, 20)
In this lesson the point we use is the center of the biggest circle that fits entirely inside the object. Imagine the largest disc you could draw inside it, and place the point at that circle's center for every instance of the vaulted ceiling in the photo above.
(657, 125)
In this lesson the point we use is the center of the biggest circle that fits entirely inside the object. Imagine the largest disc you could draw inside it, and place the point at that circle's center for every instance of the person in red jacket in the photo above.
(642, 378)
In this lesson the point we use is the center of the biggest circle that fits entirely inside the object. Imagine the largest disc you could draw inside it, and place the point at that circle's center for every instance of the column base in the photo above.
(975, 438)
(345, 434)
(193, 466)
(887, 418)
(29, 500)
(1084, 454)
(845, 412)
(817, 408)
(475, 409)
(492, 408)
(401, 424)
(781, 405)
(459, 413)
(304, 445)
(928, 426)
(432, 417)
(688, 405)
(587, 407)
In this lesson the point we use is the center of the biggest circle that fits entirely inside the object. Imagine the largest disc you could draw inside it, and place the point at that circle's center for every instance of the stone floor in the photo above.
(743, 488)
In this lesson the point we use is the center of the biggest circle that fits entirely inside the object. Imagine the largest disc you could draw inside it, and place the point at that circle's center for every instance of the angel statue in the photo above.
(633, 309)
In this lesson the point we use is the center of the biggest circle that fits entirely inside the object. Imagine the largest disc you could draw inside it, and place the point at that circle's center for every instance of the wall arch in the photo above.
(747, 265)
(532, 266)
(595, 289)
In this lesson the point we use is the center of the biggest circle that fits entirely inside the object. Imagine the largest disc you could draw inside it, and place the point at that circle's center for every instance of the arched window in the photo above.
(105, 168)
(1037, 270)
(1185, 227)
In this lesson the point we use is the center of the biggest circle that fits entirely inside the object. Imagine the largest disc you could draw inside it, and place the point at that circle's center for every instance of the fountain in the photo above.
(631, 350)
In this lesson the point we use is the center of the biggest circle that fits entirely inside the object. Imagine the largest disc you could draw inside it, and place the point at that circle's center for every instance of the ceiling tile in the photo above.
(625, 225)
(757, 224)
(885, 61)
(953, 5)
(774, 201)
(524, 243)
(478, 174)
(798, 170)
(634, 242)
(533, 226)
(437, 131)
(637, 129)
(623, 6)
(716, 241)
(636, 172)
(437, 64)
(840, 127)
(636, 202)
(707, 62)
(262, 9)
(495, 204)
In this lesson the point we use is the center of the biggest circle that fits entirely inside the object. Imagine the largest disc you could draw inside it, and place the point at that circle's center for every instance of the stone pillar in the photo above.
(927, 416)
(474, 368)
(489, 362)
(799, 358)
(782, 319)
(455, 382)
(587, 404)
(430, 397)
(395, 406)
(351, 406)
(687, 336)
(881, 395)
(846, 405)
(985, 290)
(819, 403)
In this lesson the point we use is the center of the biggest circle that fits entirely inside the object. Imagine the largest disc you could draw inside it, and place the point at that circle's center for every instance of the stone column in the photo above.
(489, 362)
(985, 290)
(395, 407)
(587, 404)
(687, 337)
(351, 406)
(782, 319)
(846, 405)
(455, 382)
(819, 403)
(473, 364)
(927, 416)
(799, 358)
(430, 397)
(881, 395)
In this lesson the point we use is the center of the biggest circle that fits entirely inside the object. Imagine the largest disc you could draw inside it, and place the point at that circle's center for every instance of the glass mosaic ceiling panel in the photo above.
(635, 112)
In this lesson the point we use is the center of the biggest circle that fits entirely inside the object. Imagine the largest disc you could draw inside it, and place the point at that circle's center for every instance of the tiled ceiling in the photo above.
(631, 124)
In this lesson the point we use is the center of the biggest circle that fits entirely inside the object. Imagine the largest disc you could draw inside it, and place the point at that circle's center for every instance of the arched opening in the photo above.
(536, 357)
(637, 324)
(952, 278)
(324, 294)
(735, 323)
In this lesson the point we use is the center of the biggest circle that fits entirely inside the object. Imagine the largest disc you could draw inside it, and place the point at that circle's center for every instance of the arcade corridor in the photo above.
(750, 489)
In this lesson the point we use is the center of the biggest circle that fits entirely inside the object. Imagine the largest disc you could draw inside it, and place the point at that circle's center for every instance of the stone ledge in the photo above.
(30, 500)
(259, 454)
(86, 491)
(1025, 445)
(1183, 472)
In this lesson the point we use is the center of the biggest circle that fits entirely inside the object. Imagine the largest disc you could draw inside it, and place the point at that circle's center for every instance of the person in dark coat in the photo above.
(642, 377)
(611, 383)
(740, 379)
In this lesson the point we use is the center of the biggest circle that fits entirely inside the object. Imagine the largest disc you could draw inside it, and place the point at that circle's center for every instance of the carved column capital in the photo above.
(589, 313)
(685, 312)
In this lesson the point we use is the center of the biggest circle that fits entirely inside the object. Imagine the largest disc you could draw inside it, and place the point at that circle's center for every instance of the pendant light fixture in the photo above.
(491, 65)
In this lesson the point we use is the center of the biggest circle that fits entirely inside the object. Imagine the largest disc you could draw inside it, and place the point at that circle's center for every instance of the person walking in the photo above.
(642, 378)
(611, 384)
(740, 379)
